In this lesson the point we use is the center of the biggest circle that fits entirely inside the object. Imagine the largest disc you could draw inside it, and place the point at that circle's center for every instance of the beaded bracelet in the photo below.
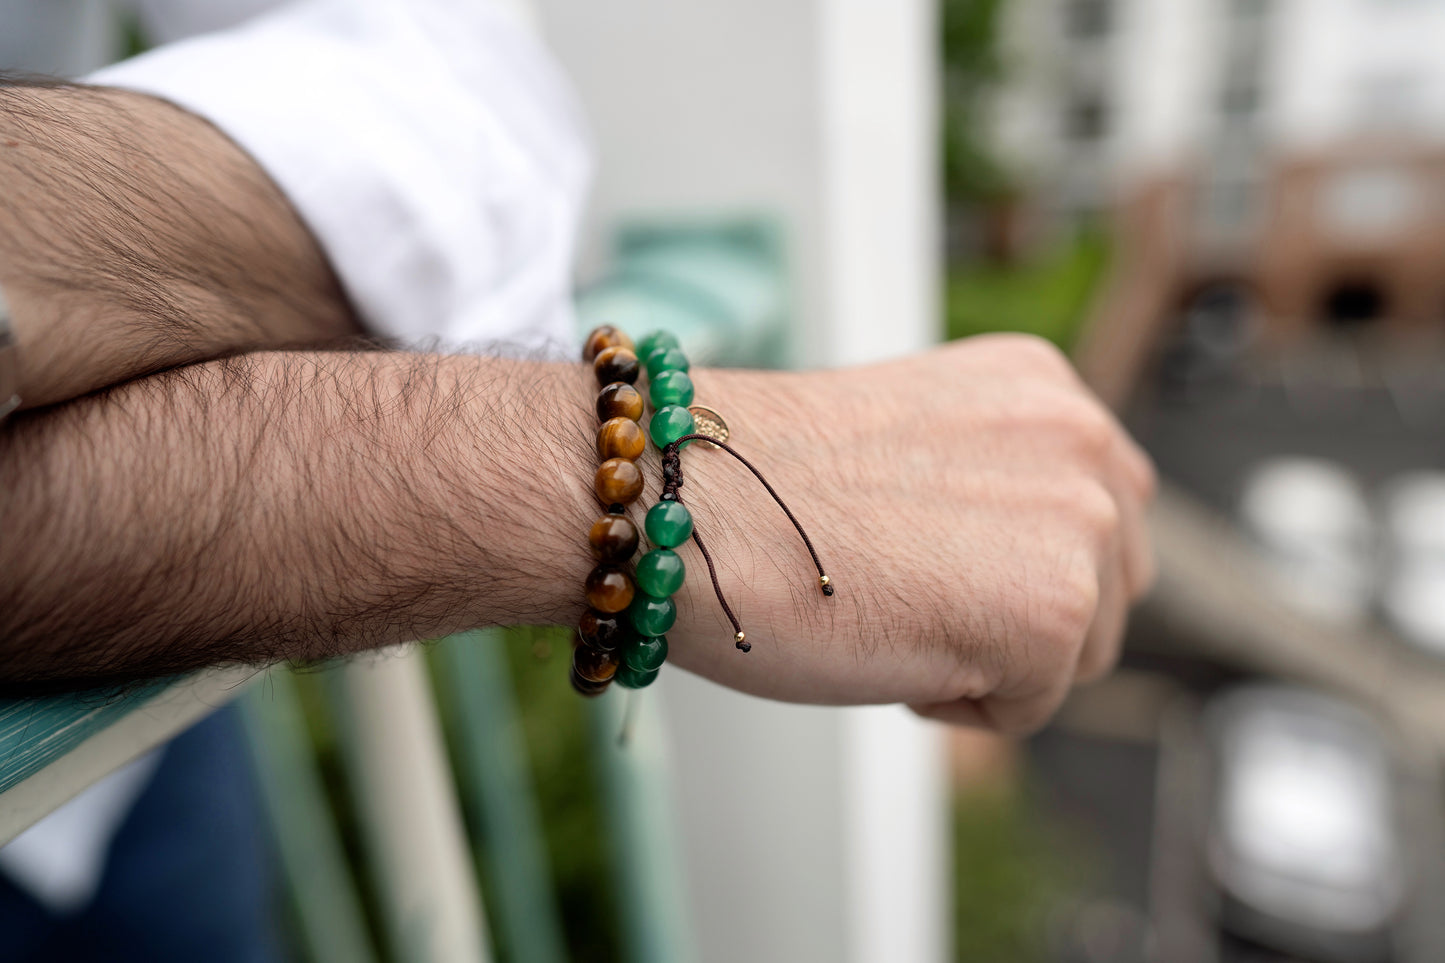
(622, 635)
(613, 537)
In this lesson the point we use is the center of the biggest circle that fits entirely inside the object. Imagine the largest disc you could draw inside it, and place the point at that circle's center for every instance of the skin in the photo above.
(979, 512)
(135, 238)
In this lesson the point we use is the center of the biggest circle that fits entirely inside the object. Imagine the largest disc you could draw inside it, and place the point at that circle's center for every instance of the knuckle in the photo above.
(1095, 510)
(1029, 352)
(1075, 604)
(1091, 430)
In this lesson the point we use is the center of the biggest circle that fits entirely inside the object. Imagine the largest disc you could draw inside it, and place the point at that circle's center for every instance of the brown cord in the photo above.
(672, 481)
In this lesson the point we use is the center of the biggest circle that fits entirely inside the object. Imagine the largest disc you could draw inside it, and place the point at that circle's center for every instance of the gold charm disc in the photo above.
(708, 422)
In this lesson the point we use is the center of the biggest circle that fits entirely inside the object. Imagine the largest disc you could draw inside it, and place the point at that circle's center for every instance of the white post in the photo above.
(397, 764)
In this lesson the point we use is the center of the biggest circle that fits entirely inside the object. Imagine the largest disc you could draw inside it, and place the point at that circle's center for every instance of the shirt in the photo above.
(433, 148)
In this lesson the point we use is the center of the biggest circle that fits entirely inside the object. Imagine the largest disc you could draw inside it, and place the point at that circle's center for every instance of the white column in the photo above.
(397, 764)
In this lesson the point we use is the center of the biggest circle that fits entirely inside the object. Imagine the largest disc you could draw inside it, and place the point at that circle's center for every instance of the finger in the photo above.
(1131, 491)
(1105, 637)
(1013, 715)
(964, 712)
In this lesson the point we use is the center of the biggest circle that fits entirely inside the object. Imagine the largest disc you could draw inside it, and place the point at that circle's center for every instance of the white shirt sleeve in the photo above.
(432, 146)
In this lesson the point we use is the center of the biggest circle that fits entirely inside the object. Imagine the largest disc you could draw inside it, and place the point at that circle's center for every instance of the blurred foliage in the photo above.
(1012, 869)
(321, 724)
(569, 794)
(971, 64)
(133, 39)
(1049, 296)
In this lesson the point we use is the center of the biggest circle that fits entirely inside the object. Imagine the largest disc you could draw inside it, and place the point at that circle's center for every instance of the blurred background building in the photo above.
(1231, 212)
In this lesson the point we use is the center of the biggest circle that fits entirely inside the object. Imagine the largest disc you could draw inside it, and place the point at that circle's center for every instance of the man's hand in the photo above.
(980, 515)
(136, 237)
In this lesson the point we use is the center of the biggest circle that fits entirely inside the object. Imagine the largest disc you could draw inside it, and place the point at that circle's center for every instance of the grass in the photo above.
(1049, 296)
(1011, 868)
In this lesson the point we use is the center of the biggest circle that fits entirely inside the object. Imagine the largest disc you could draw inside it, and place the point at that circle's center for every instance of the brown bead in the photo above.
(618, 482)
(594, 665)
(583, 687)
(601, 630)
(608, 590)
(616, 364)
(619, 401)
(614, 539)
(604, 337)
(620, 438)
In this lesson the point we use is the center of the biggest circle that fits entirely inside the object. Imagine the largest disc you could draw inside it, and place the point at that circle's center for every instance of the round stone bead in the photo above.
(644, 653)
(619, 401)
(654, 340)
(602, 630)
(671, 388)
(669, 424)
(602, 338)
(610, 591)
(660, 572)
(617, 482)
(583, 687)
(651, 615)
(613, 538)
(616, 364)
(629, 679)
(668, 524)
(666, 359)
(595, 665)
(620, 438)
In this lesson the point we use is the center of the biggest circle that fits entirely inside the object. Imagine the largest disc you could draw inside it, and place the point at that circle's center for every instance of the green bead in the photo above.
(666, 359)
(655, 340)
(645, 654)
(668, 524)
(660, 572)
(632, 679)
(669, 424)
(651, 615)
(671, 388)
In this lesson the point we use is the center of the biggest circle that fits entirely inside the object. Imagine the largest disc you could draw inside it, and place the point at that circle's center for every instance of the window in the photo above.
(1240, 99)
(1086, 119)
(1353, 303)
(1088, 19)
(1250, 9)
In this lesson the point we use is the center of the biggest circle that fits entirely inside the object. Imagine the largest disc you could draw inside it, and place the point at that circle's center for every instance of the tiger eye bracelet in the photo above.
(622, 635)
(613, 537)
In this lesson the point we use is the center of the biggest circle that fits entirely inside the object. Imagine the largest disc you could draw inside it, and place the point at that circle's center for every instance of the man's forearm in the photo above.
(135, 237)
(289, 505)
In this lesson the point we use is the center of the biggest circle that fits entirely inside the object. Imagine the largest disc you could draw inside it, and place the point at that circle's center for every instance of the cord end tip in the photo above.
(826, 583)
(741, 640)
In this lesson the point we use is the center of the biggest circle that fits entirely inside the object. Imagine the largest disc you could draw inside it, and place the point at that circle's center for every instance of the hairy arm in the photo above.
(303, 505)
(135, 237)
(283, 505)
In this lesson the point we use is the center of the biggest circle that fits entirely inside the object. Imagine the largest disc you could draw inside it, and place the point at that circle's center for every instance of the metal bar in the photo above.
(1212, 599)
(317, 876)
(504, 804)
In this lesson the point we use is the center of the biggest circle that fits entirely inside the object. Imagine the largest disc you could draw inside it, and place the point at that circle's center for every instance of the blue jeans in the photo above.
(190, 878)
